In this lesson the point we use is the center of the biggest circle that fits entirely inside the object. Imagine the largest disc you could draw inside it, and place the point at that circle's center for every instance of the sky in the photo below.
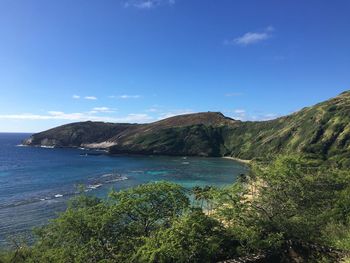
(140, 61)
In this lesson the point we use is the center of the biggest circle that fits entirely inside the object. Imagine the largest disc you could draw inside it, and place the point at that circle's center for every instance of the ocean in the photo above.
(35, 183)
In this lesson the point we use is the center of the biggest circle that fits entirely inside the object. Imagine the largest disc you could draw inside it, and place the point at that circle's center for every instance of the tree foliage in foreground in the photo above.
(194, 237)
(290, 199)
(113, 230)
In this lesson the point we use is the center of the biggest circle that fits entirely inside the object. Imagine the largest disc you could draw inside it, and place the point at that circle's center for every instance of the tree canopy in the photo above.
(278, 210)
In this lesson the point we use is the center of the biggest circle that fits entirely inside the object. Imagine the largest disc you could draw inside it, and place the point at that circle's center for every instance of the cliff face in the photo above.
(322, 130)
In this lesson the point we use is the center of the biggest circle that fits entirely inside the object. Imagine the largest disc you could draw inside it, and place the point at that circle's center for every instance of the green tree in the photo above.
(150, 206)
(92, 230)
(298, 199)
(294, 200)
(203, 195)
(194, 237)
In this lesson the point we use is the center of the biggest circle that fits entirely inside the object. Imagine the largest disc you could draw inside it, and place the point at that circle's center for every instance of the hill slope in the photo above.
(322, 131)
(77, 134)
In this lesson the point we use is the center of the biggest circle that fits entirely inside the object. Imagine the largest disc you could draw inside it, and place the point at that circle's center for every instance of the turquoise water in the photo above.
(35, 183)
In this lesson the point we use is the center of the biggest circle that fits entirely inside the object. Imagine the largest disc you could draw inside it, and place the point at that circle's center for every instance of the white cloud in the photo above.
(250, 38)
(90, 98)
(76, 97)
(269, 116)
(152, 110)
(129, 96)
(169, 114)
(102, 110)
(51, 115)
(147, 4)
(239, 111)
(78, 116)
(239, 114)
(135, 118)
(125, 96)
(244, 115)
(55, 113)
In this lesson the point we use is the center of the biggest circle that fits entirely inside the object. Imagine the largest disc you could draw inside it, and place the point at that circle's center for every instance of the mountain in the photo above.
(196, 134)
(191, 134)
(77, 134)
(321, 131)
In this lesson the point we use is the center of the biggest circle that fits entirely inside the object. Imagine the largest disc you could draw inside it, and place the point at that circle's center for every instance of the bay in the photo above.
(35, 183)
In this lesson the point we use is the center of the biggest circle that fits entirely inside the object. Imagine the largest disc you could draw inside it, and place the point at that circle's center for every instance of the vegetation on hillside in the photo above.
(77, 134)
(288, 210)
(320, 132)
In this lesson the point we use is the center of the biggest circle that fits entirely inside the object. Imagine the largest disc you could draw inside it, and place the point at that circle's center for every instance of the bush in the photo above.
(194, 237)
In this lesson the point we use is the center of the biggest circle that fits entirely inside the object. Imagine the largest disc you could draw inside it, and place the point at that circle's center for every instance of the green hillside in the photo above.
(321, 131)
(76, 134)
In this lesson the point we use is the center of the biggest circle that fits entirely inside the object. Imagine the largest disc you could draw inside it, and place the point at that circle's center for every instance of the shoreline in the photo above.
(242, 161)
(237, 160)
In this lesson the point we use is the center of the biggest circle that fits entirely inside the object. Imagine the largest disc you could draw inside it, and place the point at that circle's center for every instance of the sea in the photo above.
(36, 182)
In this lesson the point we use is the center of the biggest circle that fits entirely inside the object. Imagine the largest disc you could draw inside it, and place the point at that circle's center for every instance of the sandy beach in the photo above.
(237, 159)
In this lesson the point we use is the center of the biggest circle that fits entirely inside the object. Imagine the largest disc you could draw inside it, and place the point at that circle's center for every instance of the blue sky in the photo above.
(144, 60)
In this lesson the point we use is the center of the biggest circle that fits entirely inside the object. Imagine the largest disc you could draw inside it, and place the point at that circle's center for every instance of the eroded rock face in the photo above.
(28, 141)
(49, 142)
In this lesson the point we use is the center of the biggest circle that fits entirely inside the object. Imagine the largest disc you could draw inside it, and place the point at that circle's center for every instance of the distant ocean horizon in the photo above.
(35, 183)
